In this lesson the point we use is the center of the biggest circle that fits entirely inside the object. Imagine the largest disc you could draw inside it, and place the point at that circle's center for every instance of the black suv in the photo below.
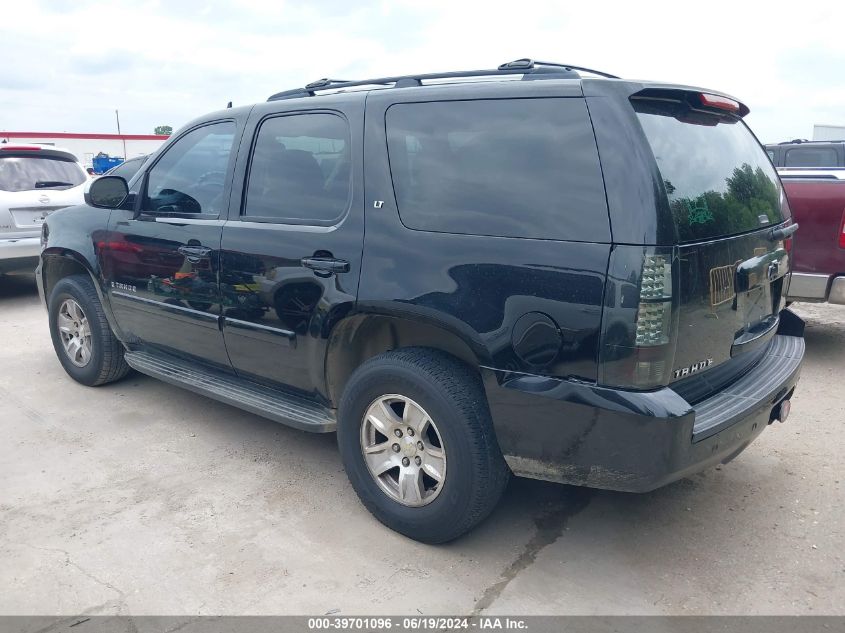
(539, 270)
(803, 153)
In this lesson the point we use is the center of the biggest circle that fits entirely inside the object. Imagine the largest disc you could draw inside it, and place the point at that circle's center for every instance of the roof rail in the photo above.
(801, 141)
(526, 67)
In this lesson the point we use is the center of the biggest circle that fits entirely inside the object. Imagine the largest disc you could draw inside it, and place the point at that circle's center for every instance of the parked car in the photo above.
(803, 153)
(578, 279)
(128, 168)
(35, 180)
(817, 200)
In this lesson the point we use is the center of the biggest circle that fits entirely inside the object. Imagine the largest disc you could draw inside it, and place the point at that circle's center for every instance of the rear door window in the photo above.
(511, 168)
(811, 157)
(717, 177)
(300, 170)
(25, 173)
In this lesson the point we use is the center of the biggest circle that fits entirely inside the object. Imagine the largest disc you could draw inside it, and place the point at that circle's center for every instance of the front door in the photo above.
(161, 259)
(291, 250)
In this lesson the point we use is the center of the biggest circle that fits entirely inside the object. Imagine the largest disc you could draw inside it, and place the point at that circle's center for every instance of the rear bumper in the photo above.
(817, 288)
(586, 435)
(19, 254)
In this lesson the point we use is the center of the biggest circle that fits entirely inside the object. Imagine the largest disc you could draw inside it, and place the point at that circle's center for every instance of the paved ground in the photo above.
(140, 498)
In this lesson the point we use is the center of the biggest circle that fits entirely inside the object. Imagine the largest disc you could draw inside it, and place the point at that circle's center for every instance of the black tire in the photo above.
(453, 396)
(106, 362)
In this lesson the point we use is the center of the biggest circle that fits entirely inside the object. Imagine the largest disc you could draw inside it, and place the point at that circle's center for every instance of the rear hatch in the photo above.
(725, 200)
(34, 182)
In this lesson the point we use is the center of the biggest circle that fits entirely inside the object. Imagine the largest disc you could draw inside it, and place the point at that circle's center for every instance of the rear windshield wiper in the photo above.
(43, 184)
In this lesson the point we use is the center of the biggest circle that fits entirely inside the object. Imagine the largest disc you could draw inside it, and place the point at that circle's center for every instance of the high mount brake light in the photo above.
(19, 148)
(720, 103)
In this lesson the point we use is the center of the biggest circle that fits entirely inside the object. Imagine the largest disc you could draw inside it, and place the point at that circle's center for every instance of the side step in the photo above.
(270, 403)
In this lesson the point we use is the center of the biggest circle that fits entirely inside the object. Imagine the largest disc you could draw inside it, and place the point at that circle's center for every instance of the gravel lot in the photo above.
(139, 498)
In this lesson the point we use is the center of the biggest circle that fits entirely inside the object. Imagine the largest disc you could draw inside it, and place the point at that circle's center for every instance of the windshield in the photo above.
(718, 178)
(28, 173)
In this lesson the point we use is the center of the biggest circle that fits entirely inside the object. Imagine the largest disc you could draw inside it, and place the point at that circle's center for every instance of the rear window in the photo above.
(27, 173)
(717, 176)
(512, 168)
(811, 157)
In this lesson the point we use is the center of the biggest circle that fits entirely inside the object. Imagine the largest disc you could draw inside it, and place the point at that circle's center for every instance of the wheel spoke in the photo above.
(383, 418)
(434, 463)
(73, 348)
(414, 417)
(65, 323)
(380, 425)
(410, 485)
(380, 458)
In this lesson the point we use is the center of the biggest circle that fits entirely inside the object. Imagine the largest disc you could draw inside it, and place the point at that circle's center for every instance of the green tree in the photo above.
(163, 130)
(748, 194)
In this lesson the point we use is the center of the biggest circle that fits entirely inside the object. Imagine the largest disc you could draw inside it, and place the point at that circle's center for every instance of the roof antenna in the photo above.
(229, 105)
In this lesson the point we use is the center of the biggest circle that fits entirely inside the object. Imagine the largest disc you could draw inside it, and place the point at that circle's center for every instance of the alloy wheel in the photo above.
(403, 450)
(75, 332)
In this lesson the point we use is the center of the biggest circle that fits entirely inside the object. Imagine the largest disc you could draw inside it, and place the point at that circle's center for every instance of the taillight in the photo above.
(842, 232)
(655, 307)
(638, 355)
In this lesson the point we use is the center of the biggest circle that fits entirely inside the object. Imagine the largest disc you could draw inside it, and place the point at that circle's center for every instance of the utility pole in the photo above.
(117, 117)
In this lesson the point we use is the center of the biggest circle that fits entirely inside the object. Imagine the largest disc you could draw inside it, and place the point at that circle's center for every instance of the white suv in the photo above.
(34, 181)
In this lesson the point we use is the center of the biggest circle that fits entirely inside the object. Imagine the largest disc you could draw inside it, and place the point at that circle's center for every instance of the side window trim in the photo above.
(227, 185)
(296, 222)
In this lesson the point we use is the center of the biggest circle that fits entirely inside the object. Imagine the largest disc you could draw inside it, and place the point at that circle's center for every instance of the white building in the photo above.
(86, 146)
(829, 132)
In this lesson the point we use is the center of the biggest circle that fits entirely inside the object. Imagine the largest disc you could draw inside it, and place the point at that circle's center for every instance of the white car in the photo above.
(34, 181)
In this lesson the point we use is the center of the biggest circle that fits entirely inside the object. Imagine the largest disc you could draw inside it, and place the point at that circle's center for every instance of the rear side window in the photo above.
(300, 170)
(512, 168)
(717, 176)
(28, 173)
(811, 157)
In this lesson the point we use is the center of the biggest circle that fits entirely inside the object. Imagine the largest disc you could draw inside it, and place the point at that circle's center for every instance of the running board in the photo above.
(264, 401)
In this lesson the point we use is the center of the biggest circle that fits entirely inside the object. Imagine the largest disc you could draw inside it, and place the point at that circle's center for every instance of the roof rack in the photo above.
(529, 68)
(802, 141)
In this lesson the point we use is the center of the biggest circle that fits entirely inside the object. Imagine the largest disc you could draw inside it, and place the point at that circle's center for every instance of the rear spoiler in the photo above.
(36, 151)
(697, 99)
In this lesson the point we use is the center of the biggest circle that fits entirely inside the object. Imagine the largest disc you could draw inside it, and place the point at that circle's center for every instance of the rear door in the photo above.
(725, 199)
(291, 250)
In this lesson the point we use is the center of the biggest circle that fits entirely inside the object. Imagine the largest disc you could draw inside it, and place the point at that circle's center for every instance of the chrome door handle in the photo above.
(326, 264)
(194, 253)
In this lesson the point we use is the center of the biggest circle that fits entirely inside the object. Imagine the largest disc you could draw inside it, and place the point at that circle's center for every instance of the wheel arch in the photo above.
(359, 337)
(58, 263)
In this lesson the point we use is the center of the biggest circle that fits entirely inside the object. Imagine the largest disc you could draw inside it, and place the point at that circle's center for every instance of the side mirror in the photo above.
(107, 192)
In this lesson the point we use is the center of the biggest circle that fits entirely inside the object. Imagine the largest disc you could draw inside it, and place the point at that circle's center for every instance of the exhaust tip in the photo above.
(781, 412)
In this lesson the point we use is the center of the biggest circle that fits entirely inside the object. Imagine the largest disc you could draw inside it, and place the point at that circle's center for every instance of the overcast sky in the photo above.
(67, 65)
